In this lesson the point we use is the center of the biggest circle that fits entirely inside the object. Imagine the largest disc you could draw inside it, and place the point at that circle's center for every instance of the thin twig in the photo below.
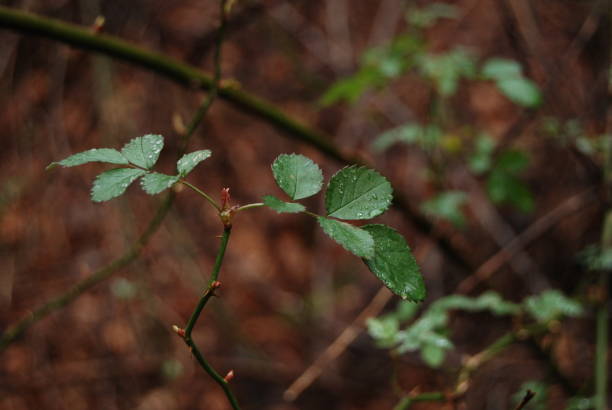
(338, 346)
(348, 335)
(526, 399)
(535, 230)
(213, 282)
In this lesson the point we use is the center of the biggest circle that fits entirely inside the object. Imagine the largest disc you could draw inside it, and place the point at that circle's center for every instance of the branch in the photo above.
(334, 350)
(534, 231)
(526, 399)
(190, 76)
(213, 284)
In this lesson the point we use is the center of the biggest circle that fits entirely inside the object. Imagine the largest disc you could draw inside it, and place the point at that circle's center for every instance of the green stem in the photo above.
(249, 206)
(208, 293)
(203, 194)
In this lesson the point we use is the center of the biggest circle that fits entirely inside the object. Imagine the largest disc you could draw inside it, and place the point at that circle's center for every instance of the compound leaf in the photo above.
(154, 183)
(143, 151)
(357, 193)
(112, 183)
(355, 240)
(189, 161)
(297, 175)
(108, 155)
(282, 206)
(394, 264)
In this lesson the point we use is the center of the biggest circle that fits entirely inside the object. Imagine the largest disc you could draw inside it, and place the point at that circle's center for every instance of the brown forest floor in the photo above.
(288, 291)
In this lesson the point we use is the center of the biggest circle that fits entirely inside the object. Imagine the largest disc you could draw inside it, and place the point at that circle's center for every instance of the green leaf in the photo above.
(433, 355)
(507, 188)
(154, 183)
(446, 69)
(580, 403)
(521, 91)
(500, 68)
(108, 155)
(355, 240)
(447, 205)
(394, 264)
(551, 304)
(282, 206)
(509, 78)
(144, 151)
(112, 183)
(408, 134)
(512, 161)
(383, 330)
(426, 16)
(189, 161)
(480, 159)
(357, 193)
(297, 175)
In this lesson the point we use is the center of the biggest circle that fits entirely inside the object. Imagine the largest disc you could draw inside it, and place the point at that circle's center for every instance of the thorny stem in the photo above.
(213, 282)
(208, 293)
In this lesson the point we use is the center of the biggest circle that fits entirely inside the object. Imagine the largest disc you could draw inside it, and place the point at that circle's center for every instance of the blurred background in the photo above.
(488, 117)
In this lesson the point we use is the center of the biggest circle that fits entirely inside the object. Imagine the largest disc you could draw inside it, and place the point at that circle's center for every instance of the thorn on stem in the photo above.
(179, 331)
(215, 285)
(229, 376)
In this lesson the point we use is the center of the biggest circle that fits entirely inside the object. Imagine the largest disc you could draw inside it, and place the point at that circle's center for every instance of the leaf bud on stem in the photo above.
(229, 376)
(179, 331)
